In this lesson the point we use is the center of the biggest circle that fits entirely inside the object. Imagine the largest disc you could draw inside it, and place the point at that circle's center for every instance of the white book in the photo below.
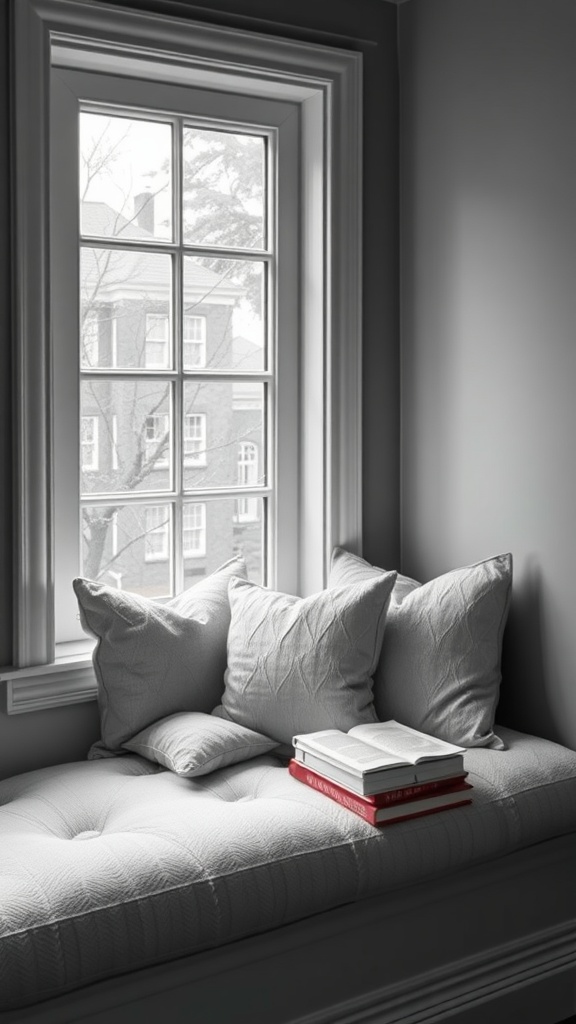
(384, 747)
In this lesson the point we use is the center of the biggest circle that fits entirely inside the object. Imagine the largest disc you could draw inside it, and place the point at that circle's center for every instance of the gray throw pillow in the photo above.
(153, 659)
(440, 666)
(192, 743)
(301, 664)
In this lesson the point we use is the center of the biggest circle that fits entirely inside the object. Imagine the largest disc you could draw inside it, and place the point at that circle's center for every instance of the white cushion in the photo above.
(440, 666)
(301, 664)
(154, 659)
(192, 743)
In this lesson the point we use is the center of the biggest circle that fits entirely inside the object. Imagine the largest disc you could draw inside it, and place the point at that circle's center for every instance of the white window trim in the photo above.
(326, 83)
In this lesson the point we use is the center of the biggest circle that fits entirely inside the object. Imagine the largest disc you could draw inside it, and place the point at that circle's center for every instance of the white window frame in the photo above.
(195, 457)
(200, 342)
(198, 530)
(325, 82)
(90, 465)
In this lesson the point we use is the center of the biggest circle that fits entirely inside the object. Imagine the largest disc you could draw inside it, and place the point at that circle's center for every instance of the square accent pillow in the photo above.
(301, 664)
(192, 743)
(153, 659)
(440, 666)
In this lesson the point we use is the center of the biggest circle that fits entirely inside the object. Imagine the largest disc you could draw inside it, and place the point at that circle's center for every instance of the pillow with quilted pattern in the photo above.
(153, 659)
(192, 743)
(440, 666)
(301, 664)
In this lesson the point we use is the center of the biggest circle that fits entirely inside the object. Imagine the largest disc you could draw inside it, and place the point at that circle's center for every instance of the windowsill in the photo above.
(69, 679)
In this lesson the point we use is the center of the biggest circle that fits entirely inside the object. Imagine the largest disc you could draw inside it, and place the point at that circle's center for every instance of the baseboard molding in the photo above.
(511, 975)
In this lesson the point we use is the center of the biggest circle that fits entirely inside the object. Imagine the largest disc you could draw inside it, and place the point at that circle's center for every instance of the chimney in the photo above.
(144, 211)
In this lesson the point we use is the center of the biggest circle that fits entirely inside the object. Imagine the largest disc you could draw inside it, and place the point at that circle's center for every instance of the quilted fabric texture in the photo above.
(112, 865)
(439, 669)
(301, 664)
(192, 743)
(153, 659)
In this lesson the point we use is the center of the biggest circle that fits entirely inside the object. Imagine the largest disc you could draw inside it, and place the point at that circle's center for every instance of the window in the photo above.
(194, 341)
(90, 336)
(157, 339)
(247, 508)
(89, 443)
(157, 439)
(195, 439)
(296, 349)
(194, 530)
(157, 536)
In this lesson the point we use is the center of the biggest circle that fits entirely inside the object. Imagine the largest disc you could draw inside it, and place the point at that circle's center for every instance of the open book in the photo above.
(382, 754)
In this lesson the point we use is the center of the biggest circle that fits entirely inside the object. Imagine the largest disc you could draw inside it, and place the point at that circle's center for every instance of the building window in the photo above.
(90, 339)
(89, 447)
(194, 530)
(298, 121)
(194, 342)
(157, 439)
(195, 439)
(157, 535)
(157, 340)
(247, 508)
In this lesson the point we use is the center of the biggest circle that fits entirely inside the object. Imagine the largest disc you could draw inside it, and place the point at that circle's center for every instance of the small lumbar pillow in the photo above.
(192, 743)
(440, 667)
(300, 664)
(155, 659)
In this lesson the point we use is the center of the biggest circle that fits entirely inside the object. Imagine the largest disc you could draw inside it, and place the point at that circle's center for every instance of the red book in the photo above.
(393, 805)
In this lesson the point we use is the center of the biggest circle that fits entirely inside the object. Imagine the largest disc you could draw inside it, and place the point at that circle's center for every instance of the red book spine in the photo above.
(391, 796)
(362, 807)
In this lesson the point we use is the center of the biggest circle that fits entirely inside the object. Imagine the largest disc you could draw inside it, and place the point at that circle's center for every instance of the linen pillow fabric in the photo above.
(154, 659)
(301, 664)
(439, 669)
(192, 743)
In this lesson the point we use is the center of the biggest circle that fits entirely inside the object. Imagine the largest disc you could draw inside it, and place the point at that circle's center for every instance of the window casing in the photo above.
(324, 84)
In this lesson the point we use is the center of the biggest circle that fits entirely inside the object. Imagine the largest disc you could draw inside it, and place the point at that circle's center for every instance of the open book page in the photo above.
(343, 748)
(403, 742)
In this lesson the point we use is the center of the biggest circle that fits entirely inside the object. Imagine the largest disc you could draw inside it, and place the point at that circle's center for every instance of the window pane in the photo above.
(194, 529)
(125, 304)
(125, 177)
(193, 341)
(134, 435)
(129, 547)
(223, 535)
(217, 418)
(224, 189)
(230, 295)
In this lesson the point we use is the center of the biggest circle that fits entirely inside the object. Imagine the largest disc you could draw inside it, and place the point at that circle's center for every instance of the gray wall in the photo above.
(488, 213)
(32, 740)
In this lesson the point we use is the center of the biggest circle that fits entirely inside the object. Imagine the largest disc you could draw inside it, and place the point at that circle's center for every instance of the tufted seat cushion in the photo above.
(108, 866)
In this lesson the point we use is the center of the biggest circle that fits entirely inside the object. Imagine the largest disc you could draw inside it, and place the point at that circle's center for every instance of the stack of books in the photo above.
(385, 772)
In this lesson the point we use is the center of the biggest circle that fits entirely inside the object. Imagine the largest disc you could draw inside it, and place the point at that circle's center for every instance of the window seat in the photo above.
(251, 897)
